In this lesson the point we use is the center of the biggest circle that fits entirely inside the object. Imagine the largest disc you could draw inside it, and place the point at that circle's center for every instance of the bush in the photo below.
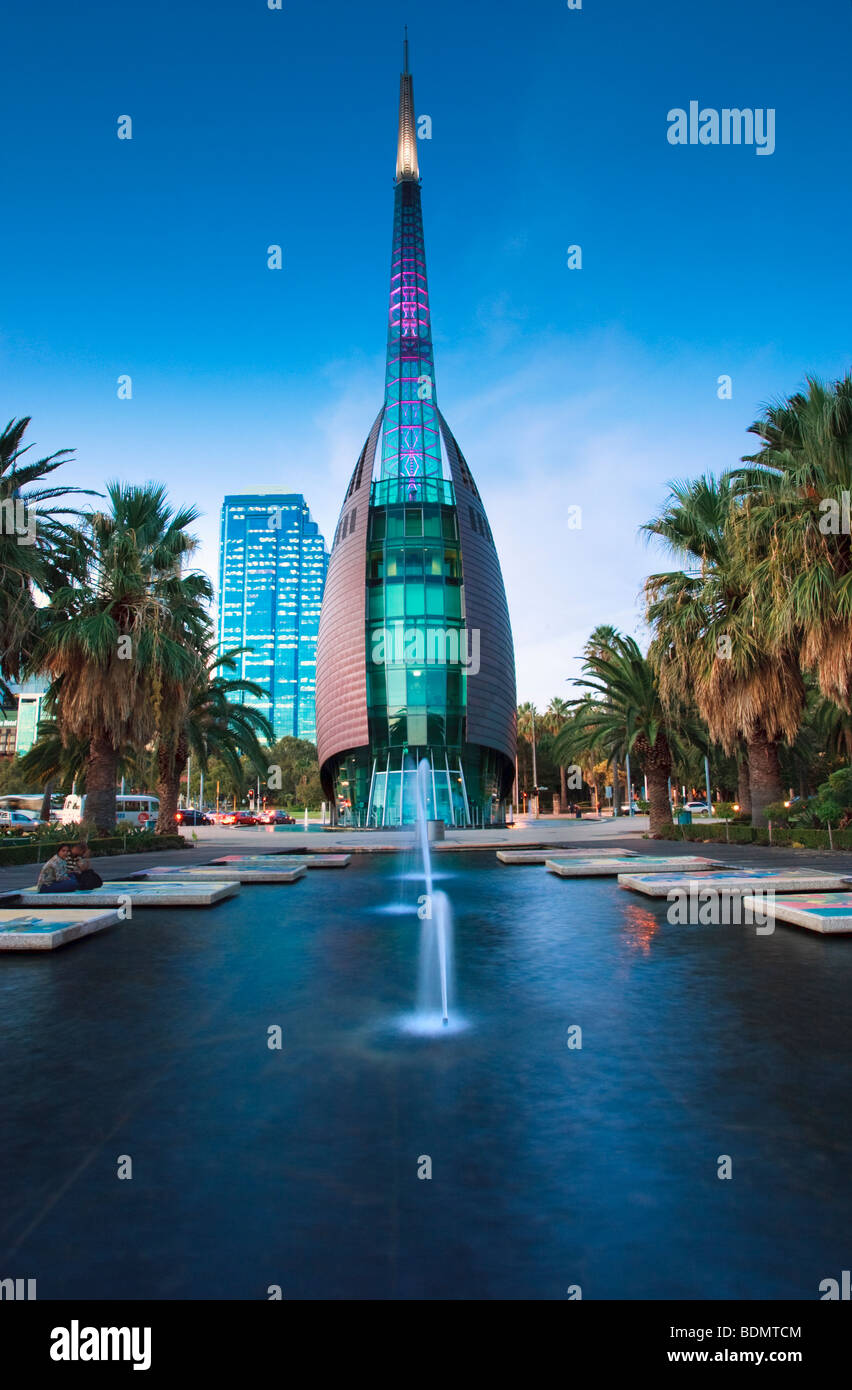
(134, 842)
(799, 837)
(832, 804)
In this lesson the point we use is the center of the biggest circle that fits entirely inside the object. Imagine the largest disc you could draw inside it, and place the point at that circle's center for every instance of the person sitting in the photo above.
(56, 875)
(81, 867)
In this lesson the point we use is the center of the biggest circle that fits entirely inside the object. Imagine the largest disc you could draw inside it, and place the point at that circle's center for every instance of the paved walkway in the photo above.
(548, 832)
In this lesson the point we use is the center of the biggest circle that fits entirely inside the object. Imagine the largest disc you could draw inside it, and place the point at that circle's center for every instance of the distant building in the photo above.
(272, 567)
(19, 723)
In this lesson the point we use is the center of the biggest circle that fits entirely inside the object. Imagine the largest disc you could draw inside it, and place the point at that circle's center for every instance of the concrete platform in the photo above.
(826, 913)
(598, 866)
(140, 892)
(541, 856)
(732, 881)
(229, 873)
(263, 861)
(44, 931)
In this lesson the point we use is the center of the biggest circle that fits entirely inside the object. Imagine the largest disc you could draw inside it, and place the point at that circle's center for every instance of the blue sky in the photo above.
(587, 388)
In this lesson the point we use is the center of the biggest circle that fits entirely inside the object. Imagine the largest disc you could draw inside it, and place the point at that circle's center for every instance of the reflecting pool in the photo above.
(550, 1166)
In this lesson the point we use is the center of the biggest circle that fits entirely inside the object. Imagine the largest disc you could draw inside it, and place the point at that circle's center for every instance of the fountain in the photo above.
(436, 931)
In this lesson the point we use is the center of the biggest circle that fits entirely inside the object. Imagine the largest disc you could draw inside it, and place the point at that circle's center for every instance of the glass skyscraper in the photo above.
(272, 569)
(415, 657)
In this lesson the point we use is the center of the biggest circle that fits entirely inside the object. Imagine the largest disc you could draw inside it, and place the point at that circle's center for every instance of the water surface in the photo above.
(550, 1166)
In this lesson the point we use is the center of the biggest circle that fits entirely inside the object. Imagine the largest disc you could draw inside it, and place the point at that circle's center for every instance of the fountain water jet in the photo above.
(436, 932)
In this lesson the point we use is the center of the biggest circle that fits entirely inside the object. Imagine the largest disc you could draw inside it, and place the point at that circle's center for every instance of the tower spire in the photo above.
(411, 449)
(406, 149)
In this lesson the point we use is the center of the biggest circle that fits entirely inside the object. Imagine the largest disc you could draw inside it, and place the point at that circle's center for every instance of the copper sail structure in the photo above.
(415, 656)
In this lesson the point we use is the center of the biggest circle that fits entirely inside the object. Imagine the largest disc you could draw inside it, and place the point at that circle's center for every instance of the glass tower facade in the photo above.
(415, 657)
(273, 563)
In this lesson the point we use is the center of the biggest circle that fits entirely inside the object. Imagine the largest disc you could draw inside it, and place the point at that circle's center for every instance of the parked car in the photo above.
(275, 817)
(20, 822)
(625, 809)
(698, 808)
(192, 817)
(239, 818)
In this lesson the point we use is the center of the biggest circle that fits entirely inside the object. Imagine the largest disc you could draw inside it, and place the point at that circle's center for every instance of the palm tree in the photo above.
(796, 508)
(622, 712)
(122, 640)
(710, 623)
(212, 725)
(51, 762)
(527, 715)
(832, 727)
(32, 542)
(555, 716)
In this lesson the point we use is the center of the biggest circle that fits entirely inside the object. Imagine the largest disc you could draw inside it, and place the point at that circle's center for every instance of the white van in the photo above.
(141, 810)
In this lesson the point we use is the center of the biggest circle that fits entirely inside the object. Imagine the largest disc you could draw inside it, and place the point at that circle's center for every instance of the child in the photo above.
(81, 867)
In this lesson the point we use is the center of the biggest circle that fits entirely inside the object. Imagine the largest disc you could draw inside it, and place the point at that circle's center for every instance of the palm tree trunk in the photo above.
(563, 789)
(743, 784)
(658, 766)
(764, 773)
(44, 813)
(101, 769)
(171, 763)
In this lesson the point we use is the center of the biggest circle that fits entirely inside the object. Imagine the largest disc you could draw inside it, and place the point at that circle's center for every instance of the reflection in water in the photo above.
(641, 926)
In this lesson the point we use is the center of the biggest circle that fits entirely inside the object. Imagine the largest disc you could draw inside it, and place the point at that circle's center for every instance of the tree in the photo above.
(711, 623)
(294, 761)
(555, 716)
(121, 641)
(212, 724)
(32, 542)
(52, 763)
(622, 712)
(796, 503)
(527, 716)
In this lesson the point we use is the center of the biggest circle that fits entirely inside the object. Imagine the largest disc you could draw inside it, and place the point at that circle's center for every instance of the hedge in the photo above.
(752, 835)
(38, 851)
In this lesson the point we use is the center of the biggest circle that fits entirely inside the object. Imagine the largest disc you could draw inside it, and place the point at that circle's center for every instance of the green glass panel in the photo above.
(413, 521)
(415, 601)
(396, 688)
(416, 681)
(417, 727)
(436, 686)
(394, 600)
(434, 600)
(378, 686)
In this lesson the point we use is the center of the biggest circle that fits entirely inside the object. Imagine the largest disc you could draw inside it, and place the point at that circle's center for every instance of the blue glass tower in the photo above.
(272, 568)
